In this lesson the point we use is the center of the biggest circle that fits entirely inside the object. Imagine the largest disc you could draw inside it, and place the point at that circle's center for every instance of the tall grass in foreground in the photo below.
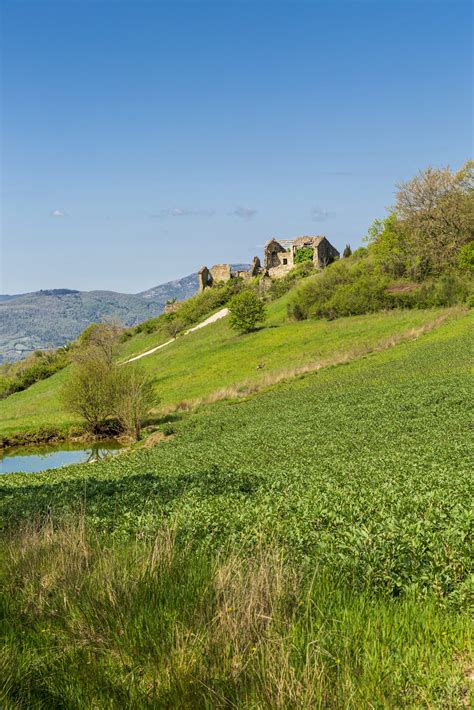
(94, 623)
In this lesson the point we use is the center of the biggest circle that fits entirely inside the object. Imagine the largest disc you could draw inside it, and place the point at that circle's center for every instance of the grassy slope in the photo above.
(214, 358)
(360, 473)
(378, 447)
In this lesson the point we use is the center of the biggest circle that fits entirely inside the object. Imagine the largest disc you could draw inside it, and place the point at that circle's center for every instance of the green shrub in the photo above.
(356, 286)
(281, 286)
(148, 326)
(38, 366)
(449, 290)
(199, 306)
(360, 253)
(366, 294)
(246, 310)
(174, 325)
(318, 289)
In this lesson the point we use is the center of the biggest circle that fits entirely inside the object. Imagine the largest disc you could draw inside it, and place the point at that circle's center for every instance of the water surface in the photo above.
(31, 459)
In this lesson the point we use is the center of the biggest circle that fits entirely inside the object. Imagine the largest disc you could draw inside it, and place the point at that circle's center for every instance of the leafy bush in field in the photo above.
(174, 325)
(149, 326)
(99, 388)
(90, 391)
(126, 335)
(246, 311)
(448, 290)
(133, 398)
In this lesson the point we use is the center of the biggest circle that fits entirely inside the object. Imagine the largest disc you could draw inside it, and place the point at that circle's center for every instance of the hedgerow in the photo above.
(18, 376)
(355, 286)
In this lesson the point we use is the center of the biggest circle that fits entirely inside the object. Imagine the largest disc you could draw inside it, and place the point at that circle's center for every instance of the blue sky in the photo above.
(141, 140)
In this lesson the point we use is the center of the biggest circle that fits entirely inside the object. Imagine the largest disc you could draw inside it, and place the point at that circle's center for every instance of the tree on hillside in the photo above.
(174, 325)
(432, 219)
(133, 399)
(98, 388)
(435, 212)
(90, 389)
(102, 336)
(347, 251)
(246, 310)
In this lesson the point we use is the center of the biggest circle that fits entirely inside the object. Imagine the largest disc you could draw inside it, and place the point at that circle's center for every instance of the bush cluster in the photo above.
(356, 286)
(200, 305)
(38, 366)
(420, 256)
(281, 286)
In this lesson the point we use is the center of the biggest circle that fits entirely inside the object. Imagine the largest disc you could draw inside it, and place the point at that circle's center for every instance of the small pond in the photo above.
(31, 459)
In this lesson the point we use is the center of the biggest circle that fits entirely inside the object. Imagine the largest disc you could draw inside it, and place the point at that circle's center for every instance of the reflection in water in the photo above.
(31, 459)
(98, 453)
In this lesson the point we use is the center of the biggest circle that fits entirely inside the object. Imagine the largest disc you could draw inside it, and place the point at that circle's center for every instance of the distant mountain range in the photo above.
(50, 318)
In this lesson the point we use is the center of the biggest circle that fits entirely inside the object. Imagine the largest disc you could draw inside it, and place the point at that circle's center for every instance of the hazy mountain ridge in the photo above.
(52, 317)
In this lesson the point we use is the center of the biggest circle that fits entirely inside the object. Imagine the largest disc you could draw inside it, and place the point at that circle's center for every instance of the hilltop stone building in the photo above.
(219, 273)
(279, 258)
(281, 255)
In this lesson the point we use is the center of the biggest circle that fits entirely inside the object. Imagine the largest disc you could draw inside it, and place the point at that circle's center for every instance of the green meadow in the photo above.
(212, 359)
(306, 546)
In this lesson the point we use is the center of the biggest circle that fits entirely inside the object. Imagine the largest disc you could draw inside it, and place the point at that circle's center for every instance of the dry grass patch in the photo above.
(148, 623)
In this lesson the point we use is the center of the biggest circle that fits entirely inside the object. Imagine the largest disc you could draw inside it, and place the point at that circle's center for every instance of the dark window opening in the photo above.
(285, 262)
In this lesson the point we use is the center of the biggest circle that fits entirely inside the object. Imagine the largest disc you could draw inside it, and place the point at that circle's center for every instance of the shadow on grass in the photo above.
(159, 418)
(108, 502)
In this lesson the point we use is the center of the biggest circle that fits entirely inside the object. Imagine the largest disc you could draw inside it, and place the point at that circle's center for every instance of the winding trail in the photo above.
(212, 319)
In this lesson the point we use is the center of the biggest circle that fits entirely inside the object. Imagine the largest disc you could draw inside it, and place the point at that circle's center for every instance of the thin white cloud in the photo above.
(57, 213)
(244, 212)
(182, 212)
(320, 215)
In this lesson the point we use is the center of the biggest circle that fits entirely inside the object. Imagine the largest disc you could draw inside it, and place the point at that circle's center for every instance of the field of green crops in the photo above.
(358, 478)
(366, 465)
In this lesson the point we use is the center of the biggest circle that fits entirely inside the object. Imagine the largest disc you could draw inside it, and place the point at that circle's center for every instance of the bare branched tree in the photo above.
(133, 399)
(174, 326)
(436, 209)
(104, 337)
(90, 389)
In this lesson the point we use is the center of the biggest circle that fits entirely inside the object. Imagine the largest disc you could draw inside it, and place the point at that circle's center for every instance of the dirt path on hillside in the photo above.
(212, 319)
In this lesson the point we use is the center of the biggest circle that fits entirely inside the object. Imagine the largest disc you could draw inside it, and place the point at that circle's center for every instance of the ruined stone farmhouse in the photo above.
(280, 256)
(220, 273)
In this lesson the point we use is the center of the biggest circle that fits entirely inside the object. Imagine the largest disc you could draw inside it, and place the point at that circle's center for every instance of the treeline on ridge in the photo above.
(420, 256)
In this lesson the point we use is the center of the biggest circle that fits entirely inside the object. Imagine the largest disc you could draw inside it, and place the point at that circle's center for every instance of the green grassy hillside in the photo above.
(306, 547)
(212, 359)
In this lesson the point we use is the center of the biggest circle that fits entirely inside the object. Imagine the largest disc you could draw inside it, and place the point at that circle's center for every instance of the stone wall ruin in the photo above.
(278, 260)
